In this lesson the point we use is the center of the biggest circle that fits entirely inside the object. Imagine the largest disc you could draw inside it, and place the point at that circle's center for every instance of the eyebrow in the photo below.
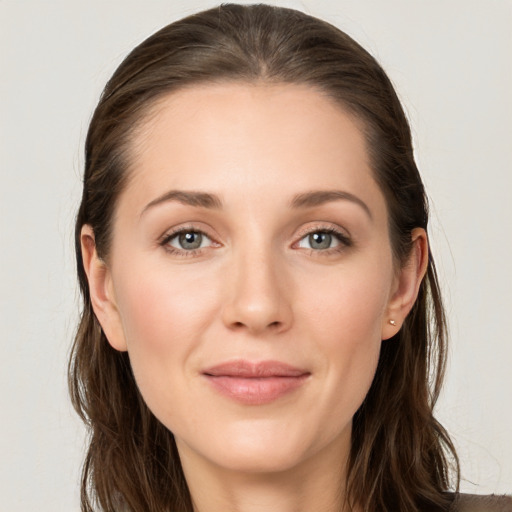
(303, 200)
(319, 197)
(191, 198)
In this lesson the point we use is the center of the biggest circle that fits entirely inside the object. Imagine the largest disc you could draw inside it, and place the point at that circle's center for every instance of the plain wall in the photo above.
(451, 63)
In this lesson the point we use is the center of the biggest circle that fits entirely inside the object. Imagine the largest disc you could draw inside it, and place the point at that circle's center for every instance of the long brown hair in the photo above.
(401, 458)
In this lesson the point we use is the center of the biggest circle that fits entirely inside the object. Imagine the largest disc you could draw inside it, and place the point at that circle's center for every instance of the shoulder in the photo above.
(481, 503)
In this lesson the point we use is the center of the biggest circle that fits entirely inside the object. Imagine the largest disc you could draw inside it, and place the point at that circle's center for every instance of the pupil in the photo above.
(320, 240)
(190, 240)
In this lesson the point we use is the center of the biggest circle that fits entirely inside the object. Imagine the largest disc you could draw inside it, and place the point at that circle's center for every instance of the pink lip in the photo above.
(255, 383)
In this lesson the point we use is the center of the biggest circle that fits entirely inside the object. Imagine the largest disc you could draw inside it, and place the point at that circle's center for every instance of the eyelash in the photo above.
(343, 239)
(173, 234)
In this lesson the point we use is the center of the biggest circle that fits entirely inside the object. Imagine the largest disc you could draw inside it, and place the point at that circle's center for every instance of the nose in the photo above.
(258, 298)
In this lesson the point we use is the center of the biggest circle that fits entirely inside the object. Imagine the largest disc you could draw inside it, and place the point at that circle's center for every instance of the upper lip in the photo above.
(248, 369)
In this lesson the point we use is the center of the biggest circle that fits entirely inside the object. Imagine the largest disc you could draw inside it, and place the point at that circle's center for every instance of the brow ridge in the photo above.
(318, 197)
(308, 199)
(189, 197)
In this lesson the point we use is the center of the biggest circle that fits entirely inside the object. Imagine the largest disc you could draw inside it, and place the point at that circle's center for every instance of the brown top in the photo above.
(481, 503)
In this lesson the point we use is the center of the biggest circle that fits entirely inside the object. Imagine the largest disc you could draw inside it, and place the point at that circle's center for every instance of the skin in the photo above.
(258, 289)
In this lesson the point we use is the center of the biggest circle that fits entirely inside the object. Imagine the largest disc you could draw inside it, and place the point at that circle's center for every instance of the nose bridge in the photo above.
(257, 299)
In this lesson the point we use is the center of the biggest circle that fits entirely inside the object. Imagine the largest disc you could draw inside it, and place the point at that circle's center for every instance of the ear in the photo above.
(406, 285)
(101, 291)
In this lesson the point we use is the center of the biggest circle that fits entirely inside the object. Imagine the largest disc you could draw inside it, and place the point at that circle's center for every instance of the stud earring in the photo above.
(392, 322)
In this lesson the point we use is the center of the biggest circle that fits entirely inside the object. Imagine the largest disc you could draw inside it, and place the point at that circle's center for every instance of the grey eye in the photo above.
(320, 240)
(190, 240)
(187, 240)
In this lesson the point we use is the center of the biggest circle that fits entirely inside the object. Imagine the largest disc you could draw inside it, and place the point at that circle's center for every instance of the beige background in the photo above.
(451, 62)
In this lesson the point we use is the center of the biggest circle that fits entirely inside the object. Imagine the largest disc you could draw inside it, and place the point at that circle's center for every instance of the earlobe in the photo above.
(101, 290)
(407, 285)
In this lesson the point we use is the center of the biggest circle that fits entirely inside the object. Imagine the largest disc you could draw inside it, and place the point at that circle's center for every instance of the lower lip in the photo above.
(257, 390)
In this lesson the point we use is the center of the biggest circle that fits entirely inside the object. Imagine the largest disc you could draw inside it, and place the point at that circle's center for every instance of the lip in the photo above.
(255, 383)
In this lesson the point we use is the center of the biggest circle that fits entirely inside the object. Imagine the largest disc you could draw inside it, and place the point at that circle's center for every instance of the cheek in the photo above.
(164, 316)
(163, 310)
(344, 316)
(346, 306)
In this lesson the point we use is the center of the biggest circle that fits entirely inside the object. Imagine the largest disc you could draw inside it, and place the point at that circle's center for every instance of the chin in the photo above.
(263, 446)
(259, 461)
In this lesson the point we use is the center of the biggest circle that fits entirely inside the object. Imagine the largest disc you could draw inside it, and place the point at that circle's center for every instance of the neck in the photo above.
(317, 483)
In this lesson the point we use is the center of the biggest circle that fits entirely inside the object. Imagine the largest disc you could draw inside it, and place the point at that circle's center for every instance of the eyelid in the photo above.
(326, 227)
(341, 234)
(172, 233)
(343, 238)
(176, 236)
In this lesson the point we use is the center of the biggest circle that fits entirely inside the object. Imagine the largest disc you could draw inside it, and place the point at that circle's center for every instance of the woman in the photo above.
(262, 324)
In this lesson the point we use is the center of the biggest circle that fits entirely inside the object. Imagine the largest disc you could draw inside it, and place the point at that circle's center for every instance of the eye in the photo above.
(318, 240)
(324, 239)
(185, 241)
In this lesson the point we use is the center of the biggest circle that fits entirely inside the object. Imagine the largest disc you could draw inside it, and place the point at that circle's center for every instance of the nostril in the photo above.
(272, 325)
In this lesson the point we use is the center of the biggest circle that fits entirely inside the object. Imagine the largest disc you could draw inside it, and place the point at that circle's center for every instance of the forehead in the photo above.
(272, 140)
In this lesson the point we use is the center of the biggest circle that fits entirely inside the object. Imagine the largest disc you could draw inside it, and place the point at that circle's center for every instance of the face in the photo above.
(251, 276)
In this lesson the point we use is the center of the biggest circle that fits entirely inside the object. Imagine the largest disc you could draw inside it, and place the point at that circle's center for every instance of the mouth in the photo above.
(255, 383)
